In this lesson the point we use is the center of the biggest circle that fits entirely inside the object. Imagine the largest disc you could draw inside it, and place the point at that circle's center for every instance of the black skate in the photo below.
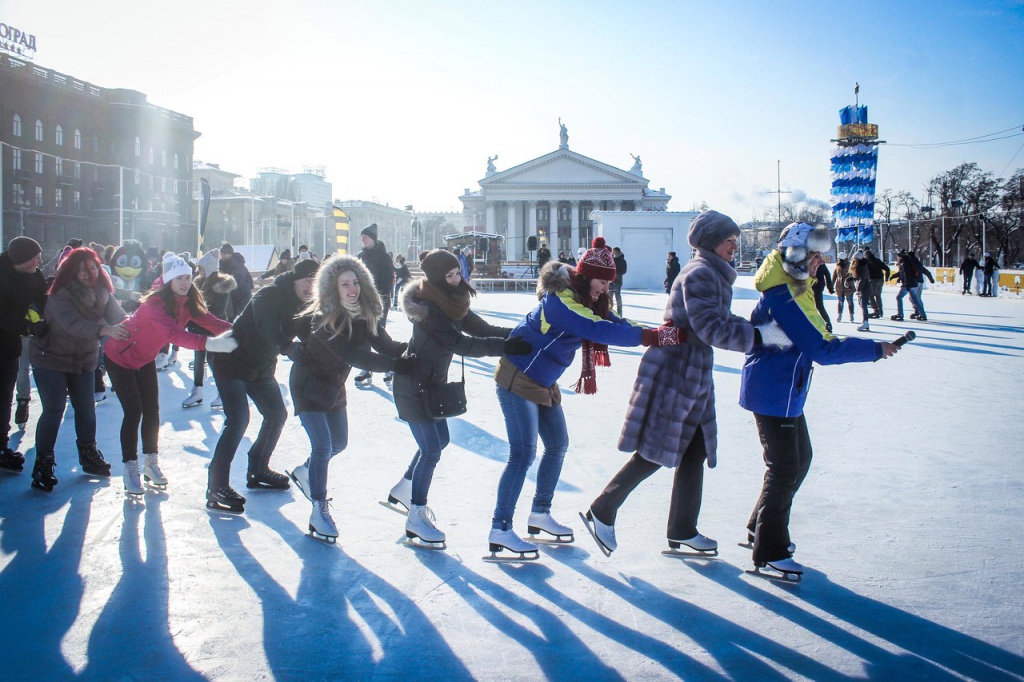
(91, 460)
(899, 318)
(783, 570)
(749, 544)
(42, 473)
(913, 315)
(225, 499)
(267, 478)
(364, 379)
(11, 460)
(21, 413)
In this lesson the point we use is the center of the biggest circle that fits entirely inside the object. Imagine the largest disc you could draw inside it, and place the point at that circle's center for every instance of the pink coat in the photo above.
(152, 328)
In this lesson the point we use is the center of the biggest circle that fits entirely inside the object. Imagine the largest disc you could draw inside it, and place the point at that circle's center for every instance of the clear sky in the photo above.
(403, 101)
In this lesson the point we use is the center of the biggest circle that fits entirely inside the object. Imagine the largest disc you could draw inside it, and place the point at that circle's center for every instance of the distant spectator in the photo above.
(879, 274)
(615, 290)
(967, 268)
(672, 269)
(543, 255)
(822, 279)
(845, 284)
(233, 264)
(990, 266)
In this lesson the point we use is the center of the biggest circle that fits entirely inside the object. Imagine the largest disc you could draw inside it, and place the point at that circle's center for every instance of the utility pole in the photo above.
(778, 190)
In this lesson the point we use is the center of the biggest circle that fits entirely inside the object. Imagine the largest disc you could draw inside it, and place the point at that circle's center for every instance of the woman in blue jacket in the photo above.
(775, 383)
(574, 312)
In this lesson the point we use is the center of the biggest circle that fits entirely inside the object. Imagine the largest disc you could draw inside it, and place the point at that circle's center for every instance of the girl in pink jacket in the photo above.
(161, 319)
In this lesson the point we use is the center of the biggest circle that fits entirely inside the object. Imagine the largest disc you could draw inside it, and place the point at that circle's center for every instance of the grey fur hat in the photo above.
(710, 229)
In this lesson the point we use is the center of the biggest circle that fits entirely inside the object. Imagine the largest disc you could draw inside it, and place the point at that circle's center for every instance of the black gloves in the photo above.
(517, 346)
(39, 328)
(405, 365)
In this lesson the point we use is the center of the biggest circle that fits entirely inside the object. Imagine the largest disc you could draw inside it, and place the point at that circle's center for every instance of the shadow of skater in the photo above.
(131, 638)
(41, 589)
(344, 621)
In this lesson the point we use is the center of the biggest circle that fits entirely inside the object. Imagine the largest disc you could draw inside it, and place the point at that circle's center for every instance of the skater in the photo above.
(774, 385)
(989, 267)
(438, 306)
(80, 310)
(845, 285)
(879, 274)
(671, 419)
(574, 312)
(22, 286)
(672, 269)
(823, 279)
(265, 328)
(907, 275)
(216, 288)
(402, 276)
(342, 329)
(161, 318)
(861, 274)
(543, 256)
(375, 256)
(615, 288)
(233, 264)
(967, 268)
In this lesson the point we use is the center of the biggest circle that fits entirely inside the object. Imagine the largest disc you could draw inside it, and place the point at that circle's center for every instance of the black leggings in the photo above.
(139, 395)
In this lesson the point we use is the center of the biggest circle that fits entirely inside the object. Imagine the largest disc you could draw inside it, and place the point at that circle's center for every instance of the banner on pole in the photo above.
(204, 207)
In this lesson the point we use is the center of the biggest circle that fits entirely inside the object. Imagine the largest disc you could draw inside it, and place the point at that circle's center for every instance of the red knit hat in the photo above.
(597, 262)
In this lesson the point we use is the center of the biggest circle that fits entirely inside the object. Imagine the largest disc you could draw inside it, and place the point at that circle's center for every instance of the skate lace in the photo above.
(324, 508)
(427, 514)
(153, 463)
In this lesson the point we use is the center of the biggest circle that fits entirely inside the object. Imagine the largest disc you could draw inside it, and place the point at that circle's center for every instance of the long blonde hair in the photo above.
(326, 306)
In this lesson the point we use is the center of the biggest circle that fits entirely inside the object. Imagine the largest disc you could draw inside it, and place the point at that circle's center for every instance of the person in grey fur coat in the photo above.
(671, 419)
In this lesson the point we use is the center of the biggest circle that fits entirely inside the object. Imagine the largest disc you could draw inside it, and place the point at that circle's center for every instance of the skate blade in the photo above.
(220, 509)
(691, 554)
(419, 543)
(298, 485)
(593, 534)
(521, 558)
(320, 537)
(746, 545)
(186, 406)
(394, 507)
(161, 487)
(135, 497)
(769, 573)
(549, 538)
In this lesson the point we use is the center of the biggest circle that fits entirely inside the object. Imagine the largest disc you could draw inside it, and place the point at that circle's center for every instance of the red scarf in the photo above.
(594, 355)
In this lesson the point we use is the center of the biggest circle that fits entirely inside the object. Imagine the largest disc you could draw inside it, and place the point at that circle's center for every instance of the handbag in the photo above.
(446, 400)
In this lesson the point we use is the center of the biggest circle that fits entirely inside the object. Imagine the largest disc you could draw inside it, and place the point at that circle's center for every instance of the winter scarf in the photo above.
(454, 305)
(593, 355)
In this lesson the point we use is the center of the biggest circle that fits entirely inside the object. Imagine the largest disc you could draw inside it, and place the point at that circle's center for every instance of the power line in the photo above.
(990, 137)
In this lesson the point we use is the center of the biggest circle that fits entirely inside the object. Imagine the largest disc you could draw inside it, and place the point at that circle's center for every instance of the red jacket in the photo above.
(152, 328)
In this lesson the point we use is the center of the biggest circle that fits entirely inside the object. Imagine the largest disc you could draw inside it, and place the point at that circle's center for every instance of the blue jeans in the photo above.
(432, 438)
(54, 388)
(234, 394)
(524, 421)
(915, 299)
(328, 435)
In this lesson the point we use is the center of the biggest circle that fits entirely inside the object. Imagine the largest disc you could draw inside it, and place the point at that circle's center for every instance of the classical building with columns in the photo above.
(552, 197)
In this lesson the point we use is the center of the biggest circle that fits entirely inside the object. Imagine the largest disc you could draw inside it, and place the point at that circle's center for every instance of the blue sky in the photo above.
(404, 101)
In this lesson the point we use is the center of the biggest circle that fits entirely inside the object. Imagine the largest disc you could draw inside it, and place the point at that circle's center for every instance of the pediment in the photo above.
(562, 167)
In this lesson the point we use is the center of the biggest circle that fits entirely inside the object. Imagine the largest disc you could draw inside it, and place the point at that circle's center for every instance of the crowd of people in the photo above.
(130, 312)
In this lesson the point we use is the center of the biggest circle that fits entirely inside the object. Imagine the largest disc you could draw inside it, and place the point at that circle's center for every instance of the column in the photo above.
(513, 236)
(531, 224)
(492, 225)
(574, 229)
(552, 235)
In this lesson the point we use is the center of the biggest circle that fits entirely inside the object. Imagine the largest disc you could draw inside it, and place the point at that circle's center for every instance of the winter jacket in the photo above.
(234, 265)
(76, 315)
(151, 329)
(435, 338)
(907, 273)
(381, 267)
(264, 329)
(922, 271)
(674, 391)
(216, 290)
(402, 274)
(863, 277)
(823, 279)
(620, 268)
(18, 292)
(557, 326)
(877, 267)
(968, 267)
(671, 272)
(990, 265)
(839, 275)
(775, 382)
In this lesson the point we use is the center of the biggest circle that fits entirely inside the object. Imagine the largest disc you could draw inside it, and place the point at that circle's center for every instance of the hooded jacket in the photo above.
(557, 326)
(381, 267)
(775, 382)
(18, 292)
(76, 315)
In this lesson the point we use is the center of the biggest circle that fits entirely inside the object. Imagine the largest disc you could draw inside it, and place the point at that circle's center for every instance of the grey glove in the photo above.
(772, 335)
(221, 344)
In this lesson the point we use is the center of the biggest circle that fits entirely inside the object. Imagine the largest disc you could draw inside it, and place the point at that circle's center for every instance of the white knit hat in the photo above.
(174, 266)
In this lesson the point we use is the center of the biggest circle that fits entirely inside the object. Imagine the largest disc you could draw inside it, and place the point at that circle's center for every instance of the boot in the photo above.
(364, 378)
(21, 413)
(91, 460)
(420, 524)
(898, 318)
(11, 460)
(321, 525)
(217, 404)
(195, 397)
(151, 472)
(132, 484)
(42, 472)
(262, 476)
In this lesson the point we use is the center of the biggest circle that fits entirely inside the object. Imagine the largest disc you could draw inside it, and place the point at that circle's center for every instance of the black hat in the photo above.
(306, 267)
(226, 249)
(22, 250)
(437, 264)
(370, 231)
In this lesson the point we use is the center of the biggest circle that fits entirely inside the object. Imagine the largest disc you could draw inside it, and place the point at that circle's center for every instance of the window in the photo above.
(138, 148)
(16, 158)
(543, 214)
(138, 177)
(16, 128)
(78, 138)
(39, 163)
(77, 200)
(60, 166)
(151, 155)
(163, 158)
(78, 171)
(175, 186)
(95, 144)
(39, 196)
(19, 193)
(58, 198)
(163, 184)
(59, 136)
(39, 130)
(150, 183)
(175, 162)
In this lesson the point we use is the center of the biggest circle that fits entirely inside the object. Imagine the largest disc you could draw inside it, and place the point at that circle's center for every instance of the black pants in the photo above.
(819, 301)
(139, 394)
(9, 366)
(687, 489)
(968, 278)
(787, 454)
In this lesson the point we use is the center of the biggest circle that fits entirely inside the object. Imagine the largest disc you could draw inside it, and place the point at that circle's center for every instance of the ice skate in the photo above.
(11, 460)
(300, 477)
(266, 478)
(697, 546)
(749, 544)
(321, 525)
(388, 378)
(400, 497)
(161, 361)
(225, 499)
(603, 535)
(132, 486)
(913, 315)
(194, 399)
(151, 472)
(42, 473)
(100, 397)
(899, 318)
(21, 413)
(544, 522)
(217, 404)
(500, 540)
(91, 460)
(364, 379)
(785, 570)
(864, 327)
(922, 318)
(420, 531)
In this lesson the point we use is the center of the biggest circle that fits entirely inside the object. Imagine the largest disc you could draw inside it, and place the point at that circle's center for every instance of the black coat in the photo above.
(234, 265)
(18, 291)
(822, 279)
(264, 329)
(381, 268)
(435, 339)
(620, 268)
(671, 272)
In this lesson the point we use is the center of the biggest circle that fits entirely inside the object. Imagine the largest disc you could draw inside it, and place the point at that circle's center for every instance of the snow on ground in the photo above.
(909, 524)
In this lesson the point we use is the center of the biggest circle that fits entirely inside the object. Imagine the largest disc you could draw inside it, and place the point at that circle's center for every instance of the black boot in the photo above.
(42, 472)
(91, 460)
(21, 413)
(11, 460)
(260, 475)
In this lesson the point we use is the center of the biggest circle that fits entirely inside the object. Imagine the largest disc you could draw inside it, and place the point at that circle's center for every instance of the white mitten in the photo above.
(772, 335)
(221, 344)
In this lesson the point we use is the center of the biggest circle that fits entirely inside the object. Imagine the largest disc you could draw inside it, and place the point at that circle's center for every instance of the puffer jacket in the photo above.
(18, 292)
(151, 328)
(775, 382)
(557, 326)
(76, 316)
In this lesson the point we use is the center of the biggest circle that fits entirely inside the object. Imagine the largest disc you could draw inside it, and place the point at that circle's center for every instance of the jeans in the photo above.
(687, 489)
(524, 421)
(915, 300)
(24, 391)
(819, 303)
(876, 295)
(863, 298)
(235, 394)
(615, 292)
(431, 438)
(199, 368)
(328, 435)
(787, 454)
(8, 378)
(139, 394)
(54, 388)
(848, 298)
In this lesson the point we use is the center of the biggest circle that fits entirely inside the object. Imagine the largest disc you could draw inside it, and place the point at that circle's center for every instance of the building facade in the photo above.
(99, 164)
(394, 225)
